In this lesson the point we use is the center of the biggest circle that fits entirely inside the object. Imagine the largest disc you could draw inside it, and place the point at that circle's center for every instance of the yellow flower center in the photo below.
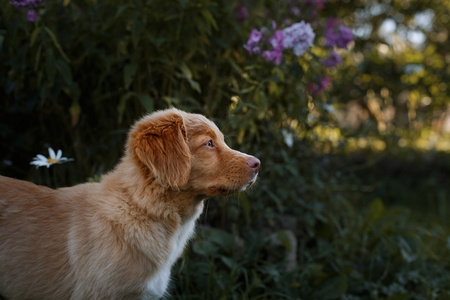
(50, 160)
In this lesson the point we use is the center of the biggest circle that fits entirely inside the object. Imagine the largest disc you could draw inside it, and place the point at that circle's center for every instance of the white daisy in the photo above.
(41, 160)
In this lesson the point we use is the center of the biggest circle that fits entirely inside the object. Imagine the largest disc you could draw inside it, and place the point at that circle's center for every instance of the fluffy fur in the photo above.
(119, 238)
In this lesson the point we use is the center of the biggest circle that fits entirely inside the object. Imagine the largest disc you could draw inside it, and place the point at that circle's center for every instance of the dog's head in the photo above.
(188, 151)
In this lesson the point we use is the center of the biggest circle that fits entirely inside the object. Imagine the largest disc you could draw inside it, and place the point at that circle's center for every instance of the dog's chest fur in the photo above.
(157, 285)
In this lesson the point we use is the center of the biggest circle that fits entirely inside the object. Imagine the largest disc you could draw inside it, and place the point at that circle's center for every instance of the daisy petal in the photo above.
(65, 159)
(52, 153)
(38, 163)
(40, 157)
(59, 154)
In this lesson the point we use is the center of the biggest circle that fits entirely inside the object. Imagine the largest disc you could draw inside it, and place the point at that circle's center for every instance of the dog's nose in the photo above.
(254, 164)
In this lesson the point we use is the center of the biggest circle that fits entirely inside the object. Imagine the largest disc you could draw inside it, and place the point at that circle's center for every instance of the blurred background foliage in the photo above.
(352, 200)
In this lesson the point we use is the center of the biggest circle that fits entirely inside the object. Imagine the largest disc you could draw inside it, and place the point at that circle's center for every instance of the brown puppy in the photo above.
(119, 238)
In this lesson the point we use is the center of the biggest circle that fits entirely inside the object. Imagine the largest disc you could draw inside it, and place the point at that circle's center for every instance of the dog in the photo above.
(118, 238)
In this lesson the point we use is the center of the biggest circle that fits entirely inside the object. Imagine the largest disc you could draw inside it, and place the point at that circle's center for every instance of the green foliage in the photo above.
(322, 222)
(344, 249)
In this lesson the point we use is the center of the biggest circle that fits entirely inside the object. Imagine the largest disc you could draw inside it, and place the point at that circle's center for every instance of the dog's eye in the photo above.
(210, 144)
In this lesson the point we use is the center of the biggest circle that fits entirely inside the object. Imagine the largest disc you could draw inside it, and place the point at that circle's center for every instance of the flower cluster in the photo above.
(315, 88)
(272, 43)
(318, 3)
(276, 52)
(298, 37)
(333, 60)
(252, 45)
(31, 12)
(25, 3)
(241, 12)
(337, 34)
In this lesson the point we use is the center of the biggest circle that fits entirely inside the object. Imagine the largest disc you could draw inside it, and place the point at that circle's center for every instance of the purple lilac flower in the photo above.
(299, 37)
(295, 11)
(25, 3)
(31, 12)
(277, 41)
(318, 3)
(241, 12)
(346, 36)
(274, 25)
(31, 15)
(276, 54)
(252, 49)
(252, 43)
(337, 34)
(255, 36)
(333, 60)
(323, 83)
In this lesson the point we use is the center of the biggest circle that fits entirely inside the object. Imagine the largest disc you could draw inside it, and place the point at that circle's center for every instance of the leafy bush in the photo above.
(317, 226)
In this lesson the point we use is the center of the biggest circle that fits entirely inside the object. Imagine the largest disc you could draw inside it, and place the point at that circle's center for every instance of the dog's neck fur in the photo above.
(165, 201)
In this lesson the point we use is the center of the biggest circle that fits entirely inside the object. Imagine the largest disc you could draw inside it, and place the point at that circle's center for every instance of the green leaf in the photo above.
(128, 74)
(123, 103)
(375, 210)
(209, 18)
(406, 250)
(114, 20)
(37, 58)
(244, 204)
(56, 43)
(120, 10)
(136, 29)
(221, 238)
(204, 248)
(34, 35)
(195, 85)
(187, 74)
(247, 90)
(332, 288)
(50, 66)
(75, 112)
(122, 47)
(275, 198)
(230, 263)
(75, 91)
(147, 102)
(185, 70)
(235, 66)
(171, 100)
(297, 70)
(157, 41)
(65, 71)
(284, 239)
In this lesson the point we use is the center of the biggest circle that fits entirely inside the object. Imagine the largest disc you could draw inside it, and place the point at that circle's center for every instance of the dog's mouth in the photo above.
(218, 190)
(222, 190)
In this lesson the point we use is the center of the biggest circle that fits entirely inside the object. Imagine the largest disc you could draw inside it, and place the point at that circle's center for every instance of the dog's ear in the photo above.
(160, 143)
